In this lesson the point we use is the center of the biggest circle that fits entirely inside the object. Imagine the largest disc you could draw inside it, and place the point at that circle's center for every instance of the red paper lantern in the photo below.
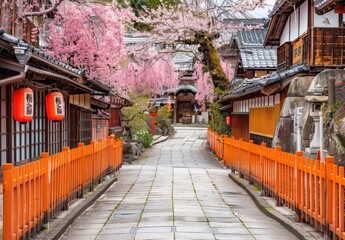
(228, 120)
(55, 106)
(23, 105)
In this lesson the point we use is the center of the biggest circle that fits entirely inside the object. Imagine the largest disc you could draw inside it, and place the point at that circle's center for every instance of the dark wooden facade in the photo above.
(116, 104)
(308, 34)
(319, 47)
(21, 143)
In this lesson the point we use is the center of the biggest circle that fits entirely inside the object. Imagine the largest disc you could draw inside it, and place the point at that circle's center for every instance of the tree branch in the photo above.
(52, 8)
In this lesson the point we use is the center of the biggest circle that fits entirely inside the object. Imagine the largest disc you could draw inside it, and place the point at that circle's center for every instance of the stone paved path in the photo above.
(177, 190)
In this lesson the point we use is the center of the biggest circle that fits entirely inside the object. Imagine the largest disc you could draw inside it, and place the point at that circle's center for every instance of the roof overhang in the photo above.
(275, 29)
(324, 6)
(59, 81)
(98, 104)
(226, 107)
(186, 88)
(101, 88)
(279, 16)
(243, 94)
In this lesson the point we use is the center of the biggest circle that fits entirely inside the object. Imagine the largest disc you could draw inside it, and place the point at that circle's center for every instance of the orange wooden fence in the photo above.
(35, 192)
(313, 189)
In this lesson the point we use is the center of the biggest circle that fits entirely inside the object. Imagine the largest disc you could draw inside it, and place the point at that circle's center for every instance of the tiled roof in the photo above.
(246, 21)
(252, 52)
(258, 58)
(251, 38)
(38, 52)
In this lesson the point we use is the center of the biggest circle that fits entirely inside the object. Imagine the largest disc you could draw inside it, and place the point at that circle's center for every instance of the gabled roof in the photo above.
(252, 52)
(279, 16)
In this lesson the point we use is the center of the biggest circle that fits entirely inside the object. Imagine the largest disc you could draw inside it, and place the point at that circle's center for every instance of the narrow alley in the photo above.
(176, 190)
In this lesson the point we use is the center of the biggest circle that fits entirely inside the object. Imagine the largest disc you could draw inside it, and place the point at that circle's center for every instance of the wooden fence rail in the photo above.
(35, 192)
(313, 189)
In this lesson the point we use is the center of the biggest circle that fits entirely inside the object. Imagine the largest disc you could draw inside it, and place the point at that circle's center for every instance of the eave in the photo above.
(100, 87)
(279, 17)
(57, 80)
(324, 6)
(98, 104)
(275, 30)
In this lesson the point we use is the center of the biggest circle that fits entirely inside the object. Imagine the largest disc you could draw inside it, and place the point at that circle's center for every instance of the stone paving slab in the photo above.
(176, 190)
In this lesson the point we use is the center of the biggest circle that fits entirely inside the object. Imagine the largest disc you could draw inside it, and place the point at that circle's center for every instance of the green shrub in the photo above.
(218, 121)
(145, 136)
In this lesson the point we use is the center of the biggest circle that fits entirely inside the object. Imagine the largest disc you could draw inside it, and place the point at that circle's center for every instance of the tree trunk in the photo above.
(6, 16)
(211, 57)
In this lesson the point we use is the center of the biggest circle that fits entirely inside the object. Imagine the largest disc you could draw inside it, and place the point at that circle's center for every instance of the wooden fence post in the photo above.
(83, 169)
(328, 194)
(8, 201)
(263, 172)
(111, 153)
(92, 167)
(46, 187)
(277, 180)
(250, 161)
(221, 149)
(240, 160)
(298, 185)
(67, 179)
(100, 141)
(232, 155)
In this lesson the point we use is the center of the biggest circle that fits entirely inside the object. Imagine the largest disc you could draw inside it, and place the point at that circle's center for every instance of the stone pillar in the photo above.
(315, 142)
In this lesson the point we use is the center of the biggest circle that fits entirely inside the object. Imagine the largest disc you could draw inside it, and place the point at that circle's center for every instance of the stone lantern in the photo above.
(316, 100)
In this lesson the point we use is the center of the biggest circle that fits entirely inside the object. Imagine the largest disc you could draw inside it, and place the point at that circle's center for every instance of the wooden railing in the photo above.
(313, 189)
(34, 193)
(328, 46)
(317, 47)
(284, 56)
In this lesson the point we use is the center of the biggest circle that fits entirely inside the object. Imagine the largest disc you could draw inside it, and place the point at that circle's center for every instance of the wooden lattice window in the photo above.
(3, 126)
(85, 126)
(58, 133)
(28, 140)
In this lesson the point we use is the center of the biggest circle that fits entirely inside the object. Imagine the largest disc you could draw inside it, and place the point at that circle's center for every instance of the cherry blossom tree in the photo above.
(205, 84)
(89, 36)
(198, 22)
(148, 77)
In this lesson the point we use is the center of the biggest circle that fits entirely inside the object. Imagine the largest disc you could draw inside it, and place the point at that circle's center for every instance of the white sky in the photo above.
(263, 12)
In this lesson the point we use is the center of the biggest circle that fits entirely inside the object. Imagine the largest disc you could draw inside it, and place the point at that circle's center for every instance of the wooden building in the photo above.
(246, 104)
(21, 143)
(247, 55)
(253, 114)
(116, 103)
(309, 37)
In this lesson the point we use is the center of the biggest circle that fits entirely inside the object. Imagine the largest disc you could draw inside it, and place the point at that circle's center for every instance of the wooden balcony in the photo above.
(327, 47)
(284, 56)
(319, 47)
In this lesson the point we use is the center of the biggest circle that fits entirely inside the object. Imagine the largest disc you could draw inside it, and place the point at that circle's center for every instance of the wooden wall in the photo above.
(240, 126)
(262, 120)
